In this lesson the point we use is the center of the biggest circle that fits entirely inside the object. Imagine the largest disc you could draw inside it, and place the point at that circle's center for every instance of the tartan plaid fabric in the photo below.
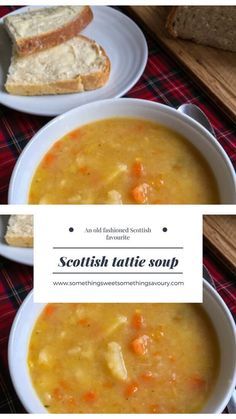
(15, 282)
(163, 81)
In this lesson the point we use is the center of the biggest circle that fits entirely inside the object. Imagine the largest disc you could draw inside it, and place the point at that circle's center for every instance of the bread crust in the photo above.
(19, 241)
(80, 83)
(96, 80)
(170, 21)
(50, 39)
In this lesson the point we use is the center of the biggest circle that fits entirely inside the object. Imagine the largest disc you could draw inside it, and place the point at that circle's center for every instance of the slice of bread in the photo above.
(214, 26)
(46, 27)
(75, 66)
(20, 231)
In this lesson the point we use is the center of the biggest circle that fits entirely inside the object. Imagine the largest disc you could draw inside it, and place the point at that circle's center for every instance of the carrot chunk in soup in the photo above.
(140, 345)
(138, 321)
(90, 396)
(141, 193)
(138, 168)
(131, 389)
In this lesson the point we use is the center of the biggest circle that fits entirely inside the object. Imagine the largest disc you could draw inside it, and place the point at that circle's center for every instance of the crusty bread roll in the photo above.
(77, 65)
(20, 231)
(207, 25)
(46, 27)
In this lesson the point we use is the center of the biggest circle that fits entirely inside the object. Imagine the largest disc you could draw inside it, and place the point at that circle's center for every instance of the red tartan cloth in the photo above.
(163, 81)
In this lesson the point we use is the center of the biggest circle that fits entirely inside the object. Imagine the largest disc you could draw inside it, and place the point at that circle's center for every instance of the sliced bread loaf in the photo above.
(207, 25)
(46, 27)
(75, 66)
(20, 231)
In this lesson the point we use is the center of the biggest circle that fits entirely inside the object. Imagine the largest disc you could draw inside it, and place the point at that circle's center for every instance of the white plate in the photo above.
(17, 254)
(124, 44)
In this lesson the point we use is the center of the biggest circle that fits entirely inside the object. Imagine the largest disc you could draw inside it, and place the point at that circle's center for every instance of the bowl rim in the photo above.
(140, 102)
(27, 401)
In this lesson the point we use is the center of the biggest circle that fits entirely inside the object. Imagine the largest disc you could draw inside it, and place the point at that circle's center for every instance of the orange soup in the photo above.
(123, 358)
(122, 160)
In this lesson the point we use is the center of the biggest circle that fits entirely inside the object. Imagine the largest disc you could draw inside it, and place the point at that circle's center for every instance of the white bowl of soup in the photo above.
(124, 358)
(123, 151)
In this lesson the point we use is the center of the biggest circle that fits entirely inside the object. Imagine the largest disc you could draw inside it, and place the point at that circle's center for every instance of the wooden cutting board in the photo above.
(220, 235)
(213, 69)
